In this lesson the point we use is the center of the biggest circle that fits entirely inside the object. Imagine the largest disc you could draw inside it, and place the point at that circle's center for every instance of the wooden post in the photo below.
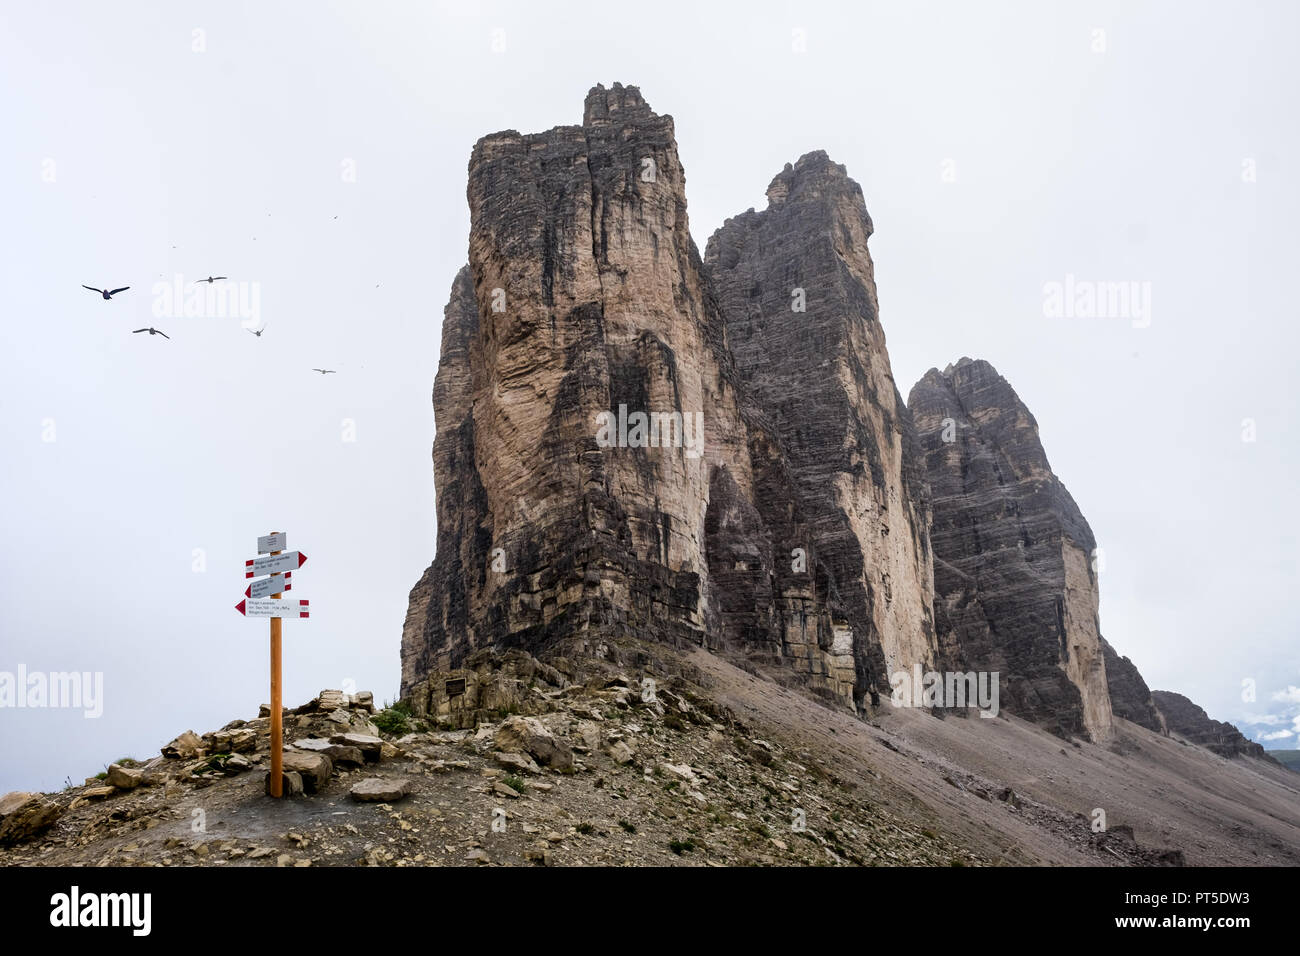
(277, 707)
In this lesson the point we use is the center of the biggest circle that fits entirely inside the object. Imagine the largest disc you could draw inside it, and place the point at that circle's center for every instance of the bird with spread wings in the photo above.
(106, 293)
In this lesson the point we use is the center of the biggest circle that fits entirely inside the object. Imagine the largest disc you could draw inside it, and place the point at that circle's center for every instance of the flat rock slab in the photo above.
(339, 753)
(371, 748)
(381, 789)
(519, 761)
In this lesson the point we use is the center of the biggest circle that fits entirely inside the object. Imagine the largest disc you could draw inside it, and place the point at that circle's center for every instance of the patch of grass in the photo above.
(671, 785)
(586, 829)
(929, 834)
(682, 846)
(674, 722)
(214, 764)
(957, 862)
(761, 829)
(629, 827)
(515, 784)
(837, 816)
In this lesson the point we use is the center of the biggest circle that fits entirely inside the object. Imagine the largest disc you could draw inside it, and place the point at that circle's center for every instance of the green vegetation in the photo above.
(682, 846)
(515, 784)
(394, 719)
(1287, 758)
(629, 827)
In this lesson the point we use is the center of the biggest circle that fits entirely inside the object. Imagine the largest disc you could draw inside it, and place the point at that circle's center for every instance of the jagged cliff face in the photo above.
(588, 299)
(632, 441)
(1015, 589)
(797, 288)
(1130, 697)
(563, 519)
(1188, 720)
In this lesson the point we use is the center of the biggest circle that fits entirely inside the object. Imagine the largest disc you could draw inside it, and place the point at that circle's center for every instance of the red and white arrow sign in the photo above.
(272, 607)
(264, 587)
(289, 561)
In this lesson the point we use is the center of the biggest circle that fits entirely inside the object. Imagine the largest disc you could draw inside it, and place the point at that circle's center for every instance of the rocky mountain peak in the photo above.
(618, 103)
(634, 442)
(616, 456)
(1015, 583)
(1188, 720)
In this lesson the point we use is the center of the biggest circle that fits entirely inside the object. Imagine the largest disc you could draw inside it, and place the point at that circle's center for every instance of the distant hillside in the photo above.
(1287, 758)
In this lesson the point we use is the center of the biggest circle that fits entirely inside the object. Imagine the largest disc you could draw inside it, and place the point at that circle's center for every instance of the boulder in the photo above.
(529, 735)
(239, 740)
(381, 789)
(520, 762)
(24, 816)
(125, 778)
(292, 783)
(315, 768)
(331, 700)
(620, 752)
(187, 745)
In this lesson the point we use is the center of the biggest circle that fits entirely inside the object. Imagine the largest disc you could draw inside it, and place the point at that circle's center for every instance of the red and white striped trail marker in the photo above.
(274, 563)
(263, 587)
(272, 607)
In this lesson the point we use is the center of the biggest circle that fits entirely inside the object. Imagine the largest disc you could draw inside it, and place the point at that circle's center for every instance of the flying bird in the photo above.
(151, 331)
(257, 332)
(324, 371)
(211, 279)
(106, 293)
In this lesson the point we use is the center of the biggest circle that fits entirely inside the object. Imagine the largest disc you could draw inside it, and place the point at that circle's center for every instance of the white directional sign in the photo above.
(272, 607)
(265, 587)
(273, 564)
(272, 542)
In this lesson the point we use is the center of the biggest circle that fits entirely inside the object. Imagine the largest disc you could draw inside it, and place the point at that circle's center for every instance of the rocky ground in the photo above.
(643, 766)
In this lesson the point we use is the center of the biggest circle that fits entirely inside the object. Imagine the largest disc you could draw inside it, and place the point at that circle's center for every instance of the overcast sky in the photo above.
(316, 154)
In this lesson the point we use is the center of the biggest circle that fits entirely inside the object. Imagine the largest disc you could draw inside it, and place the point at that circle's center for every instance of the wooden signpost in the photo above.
(278, 566)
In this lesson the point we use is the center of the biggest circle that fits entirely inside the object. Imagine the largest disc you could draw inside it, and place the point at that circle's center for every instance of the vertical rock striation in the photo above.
(1015, 590)
(635, 441)
(1130, 697)
(797, 289)
(562, 518)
